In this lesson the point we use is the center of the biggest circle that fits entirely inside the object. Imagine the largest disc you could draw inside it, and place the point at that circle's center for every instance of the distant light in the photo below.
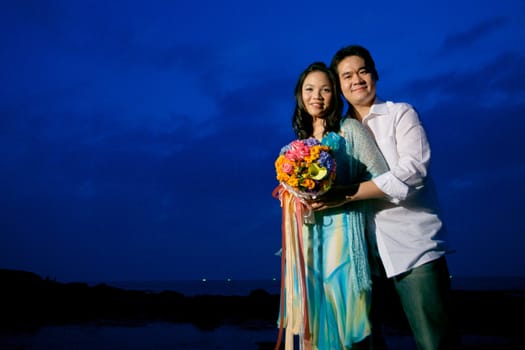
(204, 280)
(274, 279)
(229, 279)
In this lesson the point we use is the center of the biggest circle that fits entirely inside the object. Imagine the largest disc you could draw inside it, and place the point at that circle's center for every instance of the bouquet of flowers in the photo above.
(306, 168)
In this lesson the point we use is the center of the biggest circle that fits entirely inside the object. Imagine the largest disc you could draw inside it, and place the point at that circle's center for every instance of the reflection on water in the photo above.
(174, 336)
(158, 336)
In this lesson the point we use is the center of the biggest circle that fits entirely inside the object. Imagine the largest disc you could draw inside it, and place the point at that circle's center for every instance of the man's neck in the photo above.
(361, 111)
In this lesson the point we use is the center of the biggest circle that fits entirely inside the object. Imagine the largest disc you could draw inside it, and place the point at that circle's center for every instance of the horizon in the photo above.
(231, 286)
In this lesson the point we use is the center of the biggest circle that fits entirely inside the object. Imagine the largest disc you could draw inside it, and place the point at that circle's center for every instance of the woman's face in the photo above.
(317, 93)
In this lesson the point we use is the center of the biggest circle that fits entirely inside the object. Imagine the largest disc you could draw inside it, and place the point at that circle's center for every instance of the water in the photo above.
(157, 335)
(169, 336)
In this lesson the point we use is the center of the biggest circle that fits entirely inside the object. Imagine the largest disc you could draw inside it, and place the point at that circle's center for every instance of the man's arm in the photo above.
(365, 190)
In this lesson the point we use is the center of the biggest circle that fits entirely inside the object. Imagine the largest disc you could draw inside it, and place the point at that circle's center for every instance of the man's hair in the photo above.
(354, 50)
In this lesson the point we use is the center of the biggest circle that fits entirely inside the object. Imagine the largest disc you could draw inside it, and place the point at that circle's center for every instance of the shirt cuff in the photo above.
(395, 189)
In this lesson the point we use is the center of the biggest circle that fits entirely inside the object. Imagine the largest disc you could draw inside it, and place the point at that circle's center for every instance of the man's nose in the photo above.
(356, 79)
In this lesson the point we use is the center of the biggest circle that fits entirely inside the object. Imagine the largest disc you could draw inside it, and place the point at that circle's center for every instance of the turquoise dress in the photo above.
(328, 258)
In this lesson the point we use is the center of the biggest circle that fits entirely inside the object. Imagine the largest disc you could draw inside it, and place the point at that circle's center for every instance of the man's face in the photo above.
(357, 84)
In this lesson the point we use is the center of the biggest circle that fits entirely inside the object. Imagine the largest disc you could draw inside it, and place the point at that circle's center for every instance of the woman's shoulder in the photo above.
(350, 126)
(346, 122)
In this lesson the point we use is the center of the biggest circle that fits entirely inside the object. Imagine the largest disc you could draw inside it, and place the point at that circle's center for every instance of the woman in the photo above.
(326, 277)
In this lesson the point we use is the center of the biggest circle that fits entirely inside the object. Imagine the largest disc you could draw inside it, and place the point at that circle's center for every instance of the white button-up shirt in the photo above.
(408, 230)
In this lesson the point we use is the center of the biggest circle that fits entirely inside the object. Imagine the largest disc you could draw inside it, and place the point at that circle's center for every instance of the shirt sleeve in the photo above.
(409, 157)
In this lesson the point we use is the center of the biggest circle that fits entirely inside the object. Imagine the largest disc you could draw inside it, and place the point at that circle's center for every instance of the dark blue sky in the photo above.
(138, 138)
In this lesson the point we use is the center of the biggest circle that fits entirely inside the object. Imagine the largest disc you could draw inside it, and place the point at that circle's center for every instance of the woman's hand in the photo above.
(335, 197)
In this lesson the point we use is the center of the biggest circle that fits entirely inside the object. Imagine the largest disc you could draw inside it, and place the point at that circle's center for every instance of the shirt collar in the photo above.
(378, 108)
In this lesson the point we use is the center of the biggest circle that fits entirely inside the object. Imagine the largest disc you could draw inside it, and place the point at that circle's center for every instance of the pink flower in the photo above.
(287, 167)
(297, 151)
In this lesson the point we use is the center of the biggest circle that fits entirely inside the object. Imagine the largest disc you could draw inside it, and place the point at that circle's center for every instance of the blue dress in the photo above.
(326, 294)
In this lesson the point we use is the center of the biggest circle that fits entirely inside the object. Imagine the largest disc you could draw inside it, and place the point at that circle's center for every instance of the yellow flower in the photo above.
(316, 172)
(308, 183)
(293, 181)
(282, 177)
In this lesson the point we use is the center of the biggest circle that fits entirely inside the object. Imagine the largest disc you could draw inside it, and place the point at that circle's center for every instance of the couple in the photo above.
(379, 222)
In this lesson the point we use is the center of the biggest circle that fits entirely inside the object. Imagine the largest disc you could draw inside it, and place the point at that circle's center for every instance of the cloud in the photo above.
(473, 35)
(494, 82)
(474, 113)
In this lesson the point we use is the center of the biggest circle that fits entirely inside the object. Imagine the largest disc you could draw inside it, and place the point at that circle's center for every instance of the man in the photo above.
(407, 234)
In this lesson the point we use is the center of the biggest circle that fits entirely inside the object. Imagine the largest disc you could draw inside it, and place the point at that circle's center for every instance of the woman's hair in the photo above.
(302, 121)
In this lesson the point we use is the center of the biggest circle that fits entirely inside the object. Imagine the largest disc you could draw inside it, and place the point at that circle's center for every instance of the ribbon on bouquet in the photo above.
(295, 318)
(302, 206)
